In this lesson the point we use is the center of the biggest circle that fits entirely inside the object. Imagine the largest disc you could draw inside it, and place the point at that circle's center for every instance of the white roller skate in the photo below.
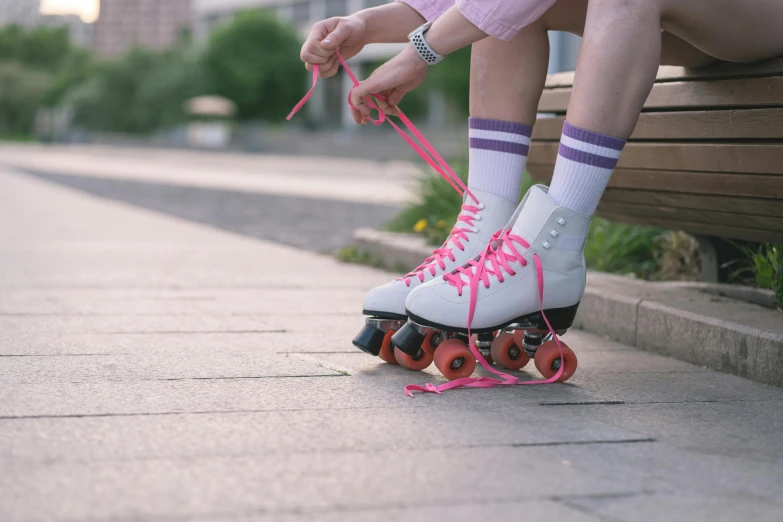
(536, 268)
(385, 304)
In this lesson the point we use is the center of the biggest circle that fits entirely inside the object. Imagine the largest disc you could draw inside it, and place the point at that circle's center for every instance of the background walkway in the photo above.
(155, 368)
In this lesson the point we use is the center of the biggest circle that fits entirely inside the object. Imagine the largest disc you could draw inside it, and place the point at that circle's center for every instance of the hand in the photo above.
(393, 80)
(344, 33)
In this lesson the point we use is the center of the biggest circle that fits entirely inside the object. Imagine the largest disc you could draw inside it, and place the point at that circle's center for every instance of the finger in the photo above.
(313, 53)
(386, 107)
(319, 30)
(329, 69)
(395, 97)
(376, 83)
(357, 99)
(336, 37)
(357, 116)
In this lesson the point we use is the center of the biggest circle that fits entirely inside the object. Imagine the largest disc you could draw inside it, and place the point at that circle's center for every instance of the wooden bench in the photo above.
(706, 156)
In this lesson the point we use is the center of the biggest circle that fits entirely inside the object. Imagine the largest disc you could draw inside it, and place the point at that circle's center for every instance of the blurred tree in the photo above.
(254, 61)
(21, 93)
(44, 48)
(142, 92)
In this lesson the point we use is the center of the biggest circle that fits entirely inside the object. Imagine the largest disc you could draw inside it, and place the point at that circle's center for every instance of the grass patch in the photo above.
(358, 256)
(765, 270)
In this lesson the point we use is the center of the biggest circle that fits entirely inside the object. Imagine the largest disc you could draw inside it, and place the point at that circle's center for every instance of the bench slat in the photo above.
(708, 183)
(745, 92)
(707, 157)
(669, 72)
(693, 215)
(731, 232)
(687, 125)
(734, 205)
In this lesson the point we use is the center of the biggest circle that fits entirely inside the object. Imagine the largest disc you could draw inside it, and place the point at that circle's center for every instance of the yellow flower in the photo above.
(420, 225)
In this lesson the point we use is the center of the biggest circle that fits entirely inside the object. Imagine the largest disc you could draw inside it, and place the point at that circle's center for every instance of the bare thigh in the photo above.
(730, 30)
(698, 32)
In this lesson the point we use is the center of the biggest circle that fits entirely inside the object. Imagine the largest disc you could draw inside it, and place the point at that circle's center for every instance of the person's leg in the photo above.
(503, 101)
(621, 50)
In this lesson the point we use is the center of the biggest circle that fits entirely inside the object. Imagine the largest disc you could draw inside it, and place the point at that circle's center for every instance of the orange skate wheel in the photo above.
(421, 360)
(454, 359)
(387, 350)
(505, 352)
(548, 361)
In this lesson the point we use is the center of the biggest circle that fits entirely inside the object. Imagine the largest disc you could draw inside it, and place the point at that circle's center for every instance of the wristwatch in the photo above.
(422, 47)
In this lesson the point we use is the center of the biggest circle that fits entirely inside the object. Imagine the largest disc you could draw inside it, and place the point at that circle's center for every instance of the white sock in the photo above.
(498, 154)
(585, 163)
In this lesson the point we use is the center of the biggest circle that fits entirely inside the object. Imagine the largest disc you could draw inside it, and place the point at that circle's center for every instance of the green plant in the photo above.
(621, 248)
(767, 268)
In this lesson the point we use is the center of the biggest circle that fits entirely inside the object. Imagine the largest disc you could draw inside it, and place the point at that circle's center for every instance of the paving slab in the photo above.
(154, 368)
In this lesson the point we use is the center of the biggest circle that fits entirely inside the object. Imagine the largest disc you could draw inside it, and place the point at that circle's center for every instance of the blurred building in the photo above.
(328, 104)
(19, 12)
(153, 24)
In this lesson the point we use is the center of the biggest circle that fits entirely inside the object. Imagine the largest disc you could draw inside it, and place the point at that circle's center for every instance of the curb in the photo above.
(693, 322)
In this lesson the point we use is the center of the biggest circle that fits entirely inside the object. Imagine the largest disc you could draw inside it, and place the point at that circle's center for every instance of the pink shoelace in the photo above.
(455, 239)
(476, 270)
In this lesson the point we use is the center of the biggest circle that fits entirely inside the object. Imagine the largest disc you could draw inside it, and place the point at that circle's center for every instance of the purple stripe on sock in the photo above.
(499, 146)
(500, 126)
(586, 158)
(592, 137)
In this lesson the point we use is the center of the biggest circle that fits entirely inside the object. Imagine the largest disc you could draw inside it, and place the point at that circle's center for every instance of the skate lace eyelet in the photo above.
(554, 233)
(478, 217)
(546, 245)
(481, 206)
(561, 221)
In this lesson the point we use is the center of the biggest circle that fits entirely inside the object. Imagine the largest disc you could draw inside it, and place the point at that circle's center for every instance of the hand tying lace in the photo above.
(458, 234)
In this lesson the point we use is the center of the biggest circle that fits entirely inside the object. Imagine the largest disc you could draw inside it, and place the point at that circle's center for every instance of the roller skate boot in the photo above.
(522, 291)
(384, 305)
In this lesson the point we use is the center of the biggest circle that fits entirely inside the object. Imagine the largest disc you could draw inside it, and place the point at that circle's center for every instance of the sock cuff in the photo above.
(593, 138)
(500, 126)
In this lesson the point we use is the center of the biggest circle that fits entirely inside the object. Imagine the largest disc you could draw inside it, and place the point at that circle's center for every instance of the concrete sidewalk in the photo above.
(156, 369)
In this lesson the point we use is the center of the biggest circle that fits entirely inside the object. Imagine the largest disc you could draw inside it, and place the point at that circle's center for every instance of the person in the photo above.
(539, 263)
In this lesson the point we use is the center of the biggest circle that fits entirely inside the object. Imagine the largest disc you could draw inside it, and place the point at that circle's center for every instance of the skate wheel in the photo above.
(387, 350)
(454, 360)
(418, 362)
(548, 361)
(506, 353)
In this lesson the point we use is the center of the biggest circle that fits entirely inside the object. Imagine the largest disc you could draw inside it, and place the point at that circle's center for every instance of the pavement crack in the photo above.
(248, 377)
(581, 443)
(577, 403)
